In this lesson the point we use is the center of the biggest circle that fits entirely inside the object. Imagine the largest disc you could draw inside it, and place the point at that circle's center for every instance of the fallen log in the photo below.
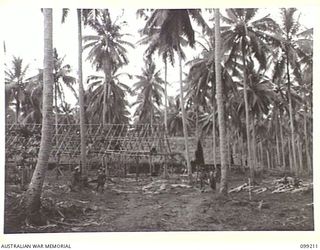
(238, 189)
(260, 190)
(302, 189)
(180, 185)
(282, 190)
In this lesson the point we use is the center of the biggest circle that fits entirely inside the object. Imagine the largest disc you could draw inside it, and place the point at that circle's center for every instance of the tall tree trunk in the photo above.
(151, 115)
(105, 90)
(294, 158)
(228, 148)
(17, 108)
(214, 145)
(197, 122)
(220, 104)
(261, 154)
(109, 101)
(282, 143)
(243, 155)
(247, 111)
(306, 140)
(184, 123)
(299, 147)
(254, 142)
(166, 96)
(268, 160)
(32, 196)
(277, 145)
(56, 113)
(290, 155)
(83, 130)
(214, 129)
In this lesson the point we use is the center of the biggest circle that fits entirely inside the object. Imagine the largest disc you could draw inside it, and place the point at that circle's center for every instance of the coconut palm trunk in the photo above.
(214, 145)
(261, 154)
(306, 138)
(282, 143)
(245, 86)
(56, 113)
(166, 96)
(228, 148)
(109, 120)
(292, 133)
(17, 110)
(184, 124)
(197, 122)
(278, 158)
(214, 132)
(290, 154)
(254, 143)
(151, 113)
(299, 145)
(220, 104)
(32, 196)
(105, 90)
(83, 130)
(268, 159)
(165, 108)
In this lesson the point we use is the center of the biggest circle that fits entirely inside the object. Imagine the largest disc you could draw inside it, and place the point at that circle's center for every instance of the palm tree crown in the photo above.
(107, 47)
(150, 91)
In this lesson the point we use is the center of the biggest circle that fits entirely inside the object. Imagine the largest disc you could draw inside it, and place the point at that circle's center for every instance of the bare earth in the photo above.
(155, 204)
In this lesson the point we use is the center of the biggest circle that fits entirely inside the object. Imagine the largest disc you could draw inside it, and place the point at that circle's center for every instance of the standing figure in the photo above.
(101, 180)
(76, 176)
(199, 158)
(153, 151)
(212, 180)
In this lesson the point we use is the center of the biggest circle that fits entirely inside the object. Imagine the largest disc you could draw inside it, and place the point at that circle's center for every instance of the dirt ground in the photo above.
(155, 204)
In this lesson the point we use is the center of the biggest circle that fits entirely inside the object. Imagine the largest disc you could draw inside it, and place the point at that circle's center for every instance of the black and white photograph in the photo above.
(158, 120)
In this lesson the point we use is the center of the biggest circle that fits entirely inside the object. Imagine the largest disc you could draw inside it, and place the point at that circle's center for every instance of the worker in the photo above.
(76, 177)
(101, 180)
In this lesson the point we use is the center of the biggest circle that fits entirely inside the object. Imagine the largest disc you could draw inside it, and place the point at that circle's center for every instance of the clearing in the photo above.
(154, 204)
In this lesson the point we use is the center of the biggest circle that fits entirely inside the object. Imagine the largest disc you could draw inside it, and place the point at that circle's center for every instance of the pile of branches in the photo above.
(285, 184)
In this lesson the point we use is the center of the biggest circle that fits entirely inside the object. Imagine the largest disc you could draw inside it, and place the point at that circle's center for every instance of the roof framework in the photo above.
(142, 140)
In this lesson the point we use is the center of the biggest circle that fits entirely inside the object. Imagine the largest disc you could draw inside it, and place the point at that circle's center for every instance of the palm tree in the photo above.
(117, 108)
(175, 123)
(61, 72)
(260, 100)
(32, 93)
(201, 73)
(32, 196)
(198, 89)
(31, 104)
(82, 15)
(291, 41)
(107, 49)
(305, 82)
(84, 172)
(247, 35)
(173, 24)
(16, 77)
(68, 114)
(150, 93)
(167, 54)
(220, 104)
